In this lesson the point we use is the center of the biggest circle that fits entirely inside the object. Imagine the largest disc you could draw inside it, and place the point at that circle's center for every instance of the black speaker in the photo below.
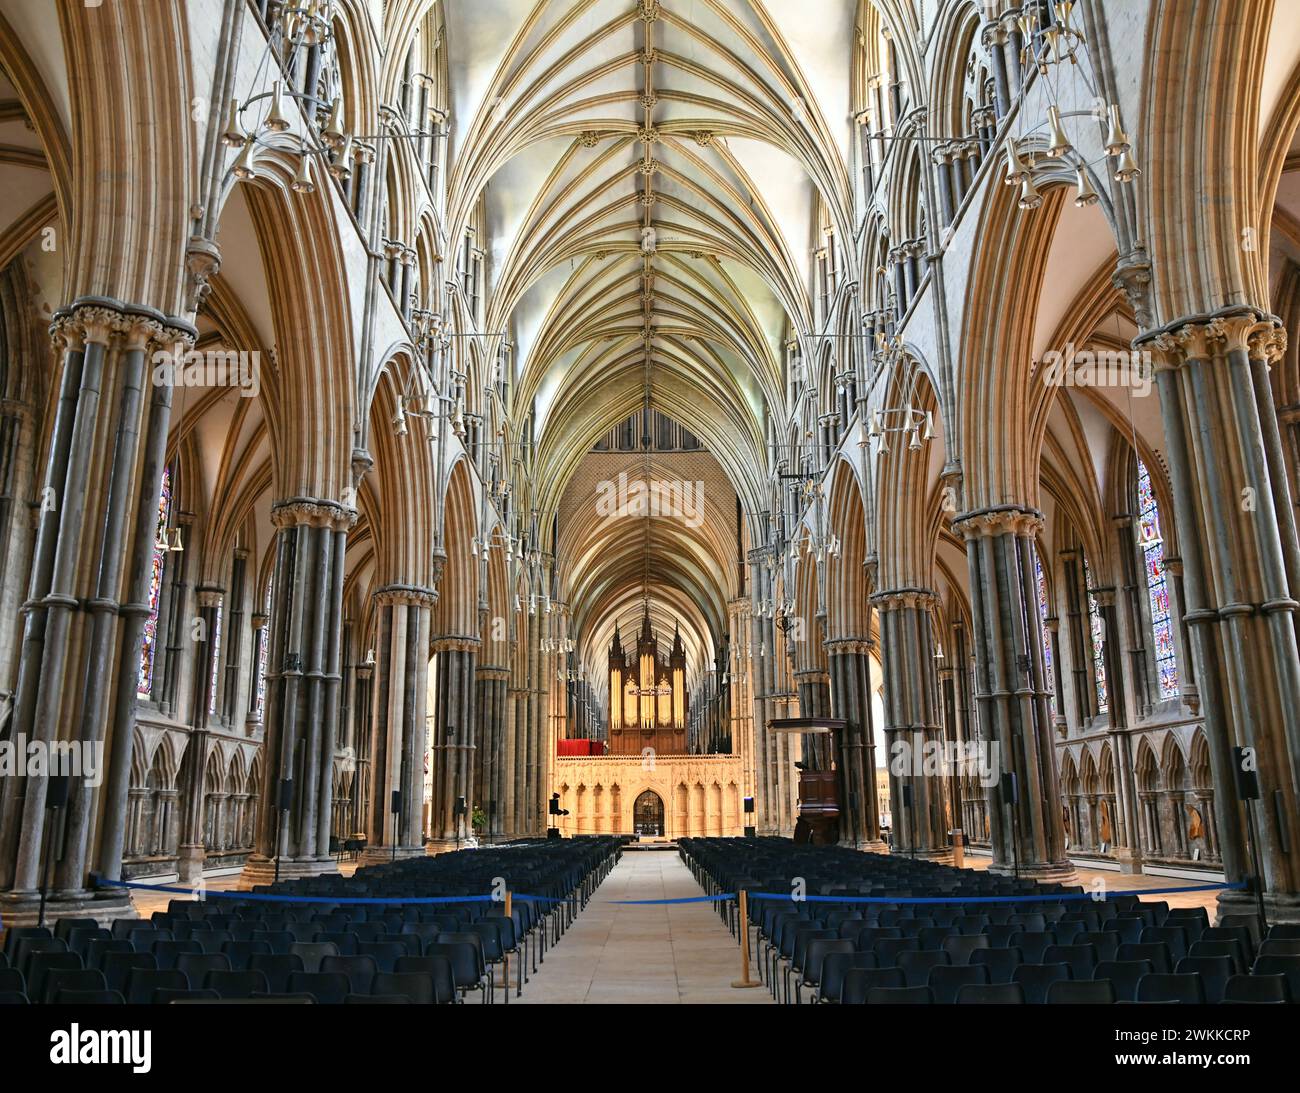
(460, 808)
(750, 832)
(1244, 774)
(56, 790)
(749, 804)
(553, 805)
(1010, 788)
(284, 802)
(396, 805)
(907, 795)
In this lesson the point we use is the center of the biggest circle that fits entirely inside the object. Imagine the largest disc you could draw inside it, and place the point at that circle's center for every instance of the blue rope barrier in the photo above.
(262, 897)
(1044, 897)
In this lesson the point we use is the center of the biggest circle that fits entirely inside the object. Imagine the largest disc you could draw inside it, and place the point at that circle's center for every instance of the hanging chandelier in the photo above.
(325, 137)
(1048, 46)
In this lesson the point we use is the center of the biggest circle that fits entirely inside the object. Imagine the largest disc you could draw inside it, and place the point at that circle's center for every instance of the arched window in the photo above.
(144, 685)
(1097, 631)
(1151, 544)
(1044, 611)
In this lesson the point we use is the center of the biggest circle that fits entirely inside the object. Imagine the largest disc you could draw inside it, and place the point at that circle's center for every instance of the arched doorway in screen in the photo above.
(648, 814)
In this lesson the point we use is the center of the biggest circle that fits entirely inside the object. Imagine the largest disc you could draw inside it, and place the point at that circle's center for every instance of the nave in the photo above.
(855, 440)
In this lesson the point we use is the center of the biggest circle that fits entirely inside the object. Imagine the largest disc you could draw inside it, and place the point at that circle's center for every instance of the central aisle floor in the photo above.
(652, 955)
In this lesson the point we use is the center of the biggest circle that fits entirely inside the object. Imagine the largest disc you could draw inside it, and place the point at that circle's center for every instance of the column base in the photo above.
(1278, 906)
(1043, 872)
(382, 855)
(261, 870)
(443, 846)
(942, 855)
(189, 864)
(1130, 860)
(23, 908)
(866, 846)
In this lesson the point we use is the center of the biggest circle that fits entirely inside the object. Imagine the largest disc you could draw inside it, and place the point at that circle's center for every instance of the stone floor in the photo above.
(650, 955)
(1114, 881)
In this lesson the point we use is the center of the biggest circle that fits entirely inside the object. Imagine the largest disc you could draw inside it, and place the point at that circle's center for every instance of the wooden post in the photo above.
(744, 980)
(505, 966)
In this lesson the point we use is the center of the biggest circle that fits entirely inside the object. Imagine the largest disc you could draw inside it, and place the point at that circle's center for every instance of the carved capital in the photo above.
(838, 647)
(894, 599)
(1267, 344)
(312, 512)
(408, 594)
(993, 522)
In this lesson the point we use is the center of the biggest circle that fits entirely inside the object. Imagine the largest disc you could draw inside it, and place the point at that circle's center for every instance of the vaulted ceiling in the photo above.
(650, 174)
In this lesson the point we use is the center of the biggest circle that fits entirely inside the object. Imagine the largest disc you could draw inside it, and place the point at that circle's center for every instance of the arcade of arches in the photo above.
(446, 407)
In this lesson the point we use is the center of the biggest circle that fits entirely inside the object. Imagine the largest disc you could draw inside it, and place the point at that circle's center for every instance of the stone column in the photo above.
(1011, 692)
(515, 772)
(303, 674)
(191, 851)
(912, 724)
(814, 687)
(490, 683)
(1237, 536)
(400, 738)
(850, 671)
(774, 803)
(453, 750)
(742, 708)
(1127, 849)
(84, 614)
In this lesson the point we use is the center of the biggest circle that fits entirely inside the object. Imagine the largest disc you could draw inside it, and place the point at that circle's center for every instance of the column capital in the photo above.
(1201, 337)
(894, 598)
(454, 643)
(410, 594)
(210, 595)
(838, 647)
(999, 520)
(312, 512)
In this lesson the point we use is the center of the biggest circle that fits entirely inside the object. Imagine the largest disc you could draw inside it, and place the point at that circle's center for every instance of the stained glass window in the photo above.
(264, 641)
(144, 685)
(1151, 543)
(1098, 641)
(1044, 610)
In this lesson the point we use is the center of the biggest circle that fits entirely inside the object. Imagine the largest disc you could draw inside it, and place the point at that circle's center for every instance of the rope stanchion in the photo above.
(745, 980)
(1043, 897)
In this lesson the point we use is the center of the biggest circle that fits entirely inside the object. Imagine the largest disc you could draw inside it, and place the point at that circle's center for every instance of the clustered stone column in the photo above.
(918, 798)
(194, 761)
(850, 686)
(303, 679)
(491, 699)
(1128, 844)
(1028, 834)
(453, 746)
(775, 783)
(400, 735)
(87, 603)
(1241, 569)
(742, 707)
(814, 687)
